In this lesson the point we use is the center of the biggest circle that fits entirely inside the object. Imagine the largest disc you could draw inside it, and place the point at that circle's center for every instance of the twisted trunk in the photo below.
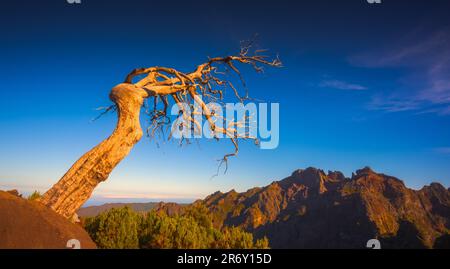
(77, 185)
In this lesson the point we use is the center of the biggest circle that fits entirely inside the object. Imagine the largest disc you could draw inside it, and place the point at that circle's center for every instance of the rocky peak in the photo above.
(336, 176)
(364, 171)
(437, 186)
(306, 172)
(311, 177)
(436, 192)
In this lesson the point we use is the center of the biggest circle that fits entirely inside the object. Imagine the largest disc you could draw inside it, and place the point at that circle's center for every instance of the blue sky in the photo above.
(361, 85)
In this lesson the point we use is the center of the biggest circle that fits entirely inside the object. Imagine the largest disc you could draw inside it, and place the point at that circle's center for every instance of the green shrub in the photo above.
(35, 195)
(123, 228)
(116, 228)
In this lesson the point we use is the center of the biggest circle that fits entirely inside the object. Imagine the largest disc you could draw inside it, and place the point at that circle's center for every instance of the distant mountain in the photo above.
(314, 209)
(170, 208)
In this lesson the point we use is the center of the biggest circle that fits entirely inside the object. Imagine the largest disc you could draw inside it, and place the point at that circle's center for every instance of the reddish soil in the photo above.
(29, 225)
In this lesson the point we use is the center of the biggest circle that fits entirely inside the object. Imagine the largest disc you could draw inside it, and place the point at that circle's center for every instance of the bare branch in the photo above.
(206, 80)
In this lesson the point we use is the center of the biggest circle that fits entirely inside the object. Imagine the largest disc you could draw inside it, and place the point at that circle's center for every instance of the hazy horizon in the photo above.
(107, 196)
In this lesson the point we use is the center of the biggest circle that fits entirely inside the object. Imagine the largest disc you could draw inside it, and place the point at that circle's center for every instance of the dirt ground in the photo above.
(29, 225)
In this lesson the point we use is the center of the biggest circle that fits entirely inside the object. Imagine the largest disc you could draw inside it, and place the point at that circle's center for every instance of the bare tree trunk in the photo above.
(77, 185)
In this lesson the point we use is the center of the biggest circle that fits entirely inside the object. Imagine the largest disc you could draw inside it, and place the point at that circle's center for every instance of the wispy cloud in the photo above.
(426, 57)
(442, 150)
(341, 85)
(393, 103)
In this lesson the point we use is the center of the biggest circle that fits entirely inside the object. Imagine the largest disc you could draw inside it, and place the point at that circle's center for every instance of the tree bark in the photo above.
(77, 185)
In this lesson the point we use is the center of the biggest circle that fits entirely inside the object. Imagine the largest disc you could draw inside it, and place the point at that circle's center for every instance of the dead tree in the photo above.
(162, 86)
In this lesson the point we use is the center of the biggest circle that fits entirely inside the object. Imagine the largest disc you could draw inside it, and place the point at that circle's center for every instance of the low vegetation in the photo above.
(34, 196)
(192, 229)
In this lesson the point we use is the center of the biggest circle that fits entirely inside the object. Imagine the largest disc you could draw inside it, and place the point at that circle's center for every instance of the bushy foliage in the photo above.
(181, 232)
(193, 229)
(236, 238)
(116, 228)
(35, 195)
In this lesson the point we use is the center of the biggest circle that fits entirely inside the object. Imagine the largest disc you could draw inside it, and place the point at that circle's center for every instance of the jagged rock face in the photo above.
(312, 209)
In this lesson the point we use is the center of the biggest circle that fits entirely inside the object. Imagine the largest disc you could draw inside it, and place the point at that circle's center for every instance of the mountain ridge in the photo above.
(91, 211)
(314, 209)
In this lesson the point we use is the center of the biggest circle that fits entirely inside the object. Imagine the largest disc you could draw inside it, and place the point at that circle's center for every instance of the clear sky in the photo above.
(361, 85)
